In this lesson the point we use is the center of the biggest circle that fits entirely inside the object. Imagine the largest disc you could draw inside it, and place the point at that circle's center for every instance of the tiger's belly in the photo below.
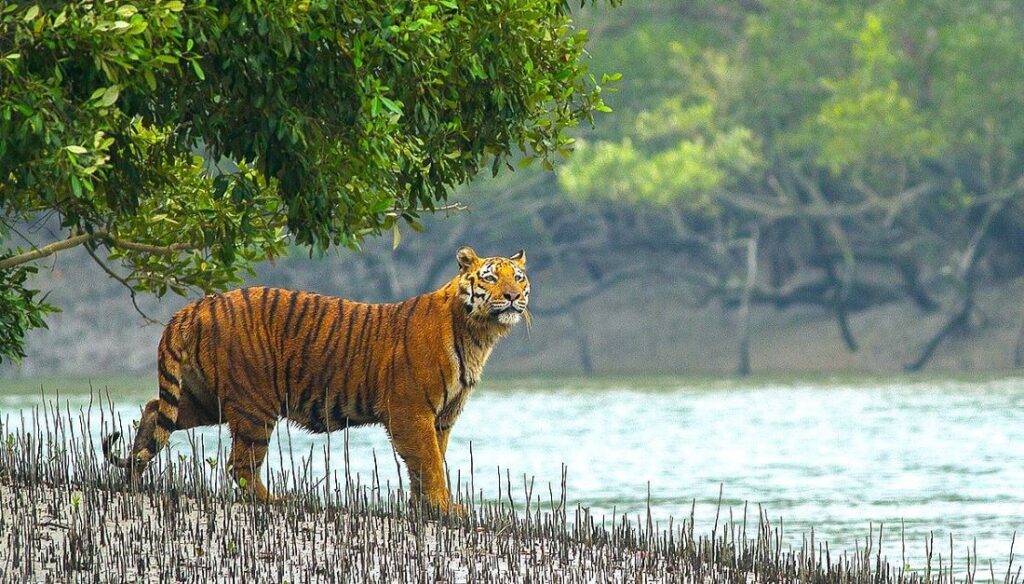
(322, 419)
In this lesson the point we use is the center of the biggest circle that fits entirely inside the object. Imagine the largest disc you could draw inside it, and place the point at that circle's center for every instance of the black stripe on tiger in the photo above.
(316, 422)
(300, 319)
(351, 350)
(211, 302)
(293, 299)
(359, 403)
(312, 334)
(348, 319)
(458, 355)
(444, 384)
(368, 364)
(338, 418)
(273, 303)
(246, 297)
(253, 418)
(197, 341)
(252, 441)
(326, 376)
(168, 397)
(166, 375)
(165, 422)
(363, 345)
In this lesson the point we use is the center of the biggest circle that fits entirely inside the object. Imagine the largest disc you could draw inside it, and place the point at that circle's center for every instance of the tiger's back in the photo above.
(271, 352)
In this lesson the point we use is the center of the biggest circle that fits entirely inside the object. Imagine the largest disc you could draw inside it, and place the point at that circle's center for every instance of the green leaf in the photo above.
(198, 70)
(31, 13)
(391, 105)
(109, 96)
(75, 149)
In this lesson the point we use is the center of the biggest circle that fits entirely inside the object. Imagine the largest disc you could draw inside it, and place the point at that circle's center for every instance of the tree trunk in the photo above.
(1018, 351)
(968, 273)
(959, 320)
(743, 367)
(582, 344)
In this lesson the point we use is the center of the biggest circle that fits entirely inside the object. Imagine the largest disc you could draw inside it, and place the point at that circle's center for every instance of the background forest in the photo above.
(783, 186)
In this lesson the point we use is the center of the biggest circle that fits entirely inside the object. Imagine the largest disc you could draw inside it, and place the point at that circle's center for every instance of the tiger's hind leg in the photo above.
(177, 408)
(249, 442)
(145, 446)
(159, 419)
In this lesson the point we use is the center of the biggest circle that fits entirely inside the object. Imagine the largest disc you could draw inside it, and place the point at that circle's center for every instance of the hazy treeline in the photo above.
(843, 155)
(792, 157)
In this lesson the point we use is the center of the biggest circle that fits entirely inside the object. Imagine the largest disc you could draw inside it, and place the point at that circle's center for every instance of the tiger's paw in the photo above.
(256, 492)
(457, 510)
(443, 506)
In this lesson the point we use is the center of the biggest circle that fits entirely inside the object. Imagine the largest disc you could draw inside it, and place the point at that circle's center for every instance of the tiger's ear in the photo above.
(519, 257)
(467, 258)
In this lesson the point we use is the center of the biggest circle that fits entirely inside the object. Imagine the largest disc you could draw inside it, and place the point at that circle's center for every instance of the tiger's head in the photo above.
(493, 289)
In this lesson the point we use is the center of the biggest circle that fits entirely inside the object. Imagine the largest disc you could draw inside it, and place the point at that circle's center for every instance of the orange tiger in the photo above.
(253, 356)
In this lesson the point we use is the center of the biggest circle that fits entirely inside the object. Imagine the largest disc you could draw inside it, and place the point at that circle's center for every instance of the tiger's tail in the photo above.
(111, 458)
(169, 366)
(159, 418)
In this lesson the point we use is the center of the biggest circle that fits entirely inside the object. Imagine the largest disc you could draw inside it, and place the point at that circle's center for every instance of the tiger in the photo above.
(254, 356)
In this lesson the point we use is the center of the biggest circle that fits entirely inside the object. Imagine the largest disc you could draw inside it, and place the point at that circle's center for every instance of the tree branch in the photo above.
(46, 250)
(79, 239)
(967, 273)
(149, 248)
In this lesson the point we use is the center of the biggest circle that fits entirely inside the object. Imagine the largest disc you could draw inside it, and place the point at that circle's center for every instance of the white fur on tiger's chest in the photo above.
(467, 366)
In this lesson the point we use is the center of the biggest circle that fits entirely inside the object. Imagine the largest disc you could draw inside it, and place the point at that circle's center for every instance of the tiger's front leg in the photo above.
(249, 442)
(416, 441)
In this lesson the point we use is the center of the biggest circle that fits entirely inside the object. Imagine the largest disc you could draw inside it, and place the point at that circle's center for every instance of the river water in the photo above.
(923, 457)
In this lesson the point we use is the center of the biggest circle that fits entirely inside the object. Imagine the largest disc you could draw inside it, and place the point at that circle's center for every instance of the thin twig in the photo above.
(124, 283)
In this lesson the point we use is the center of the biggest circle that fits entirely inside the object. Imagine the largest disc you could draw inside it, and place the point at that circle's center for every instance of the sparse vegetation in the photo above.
(64, 517)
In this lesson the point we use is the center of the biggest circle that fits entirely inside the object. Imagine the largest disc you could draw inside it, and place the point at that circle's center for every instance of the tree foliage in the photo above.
(185, 141)
(876, 146)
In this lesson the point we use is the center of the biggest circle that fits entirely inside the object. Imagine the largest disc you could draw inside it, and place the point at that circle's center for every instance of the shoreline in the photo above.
(66, 517)
(73, 532)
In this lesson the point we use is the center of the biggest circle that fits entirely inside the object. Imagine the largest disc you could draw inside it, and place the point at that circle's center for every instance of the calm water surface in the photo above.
(924, 456)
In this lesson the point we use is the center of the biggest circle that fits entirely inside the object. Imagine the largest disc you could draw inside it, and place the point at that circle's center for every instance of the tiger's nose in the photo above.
(512, 296)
